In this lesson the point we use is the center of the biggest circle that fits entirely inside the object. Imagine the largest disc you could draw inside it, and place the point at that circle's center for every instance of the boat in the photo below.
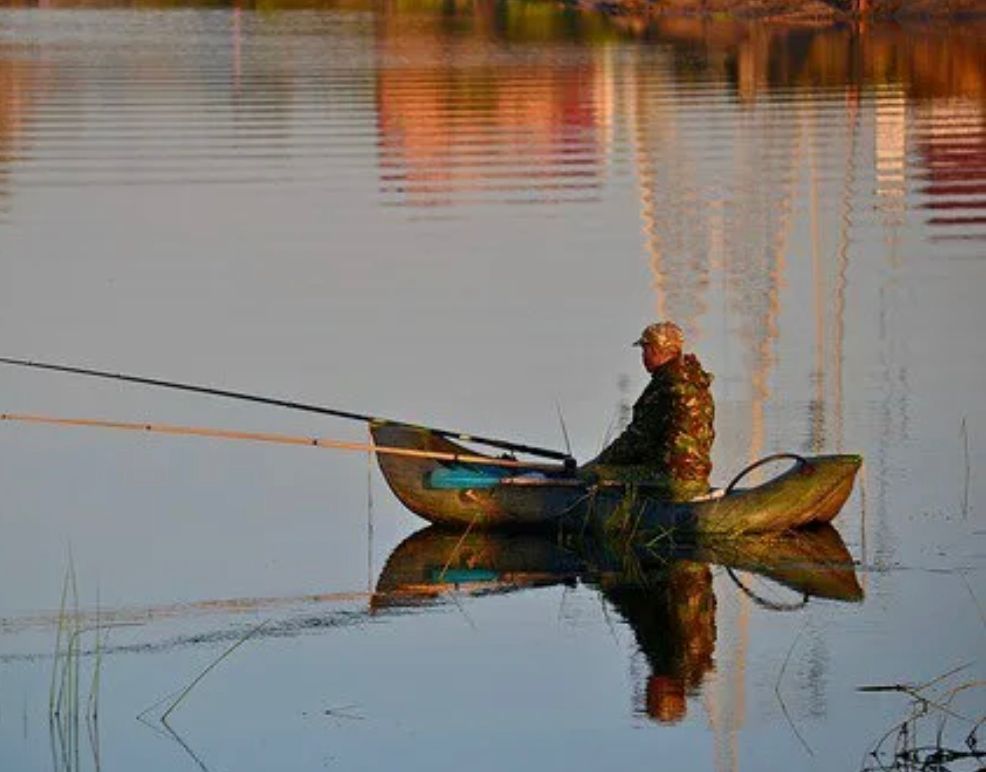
(436, 487)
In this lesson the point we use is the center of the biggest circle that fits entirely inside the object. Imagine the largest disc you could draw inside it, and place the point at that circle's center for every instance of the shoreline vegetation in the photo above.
(716, 10)
(803, 11)
(806, 13)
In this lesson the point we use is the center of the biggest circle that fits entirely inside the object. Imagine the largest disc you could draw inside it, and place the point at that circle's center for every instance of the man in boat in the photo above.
(668, 443)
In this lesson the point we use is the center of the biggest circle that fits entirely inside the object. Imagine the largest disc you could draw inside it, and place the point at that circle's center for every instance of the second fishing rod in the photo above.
(492, 442)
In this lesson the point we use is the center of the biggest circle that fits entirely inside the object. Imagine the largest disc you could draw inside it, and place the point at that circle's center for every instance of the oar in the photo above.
(282, 439)
(461, 436)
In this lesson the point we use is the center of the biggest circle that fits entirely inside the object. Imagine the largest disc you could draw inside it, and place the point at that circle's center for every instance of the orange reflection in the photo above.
(927, 61)
(460, 118)
(21, 82)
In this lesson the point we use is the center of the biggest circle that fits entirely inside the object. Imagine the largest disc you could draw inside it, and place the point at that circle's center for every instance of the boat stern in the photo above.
(810, 493)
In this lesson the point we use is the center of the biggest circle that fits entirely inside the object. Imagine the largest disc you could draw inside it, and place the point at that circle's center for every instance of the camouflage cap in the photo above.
(666, 335)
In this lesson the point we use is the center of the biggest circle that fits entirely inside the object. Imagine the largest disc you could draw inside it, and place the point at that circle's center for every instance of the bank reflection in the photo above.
(461, 119)
(21, 82)
(663, 593)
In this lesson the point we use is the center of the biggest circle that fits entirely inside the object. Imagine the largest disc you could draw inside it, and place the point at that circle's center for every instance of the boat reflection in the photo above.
(663, 592)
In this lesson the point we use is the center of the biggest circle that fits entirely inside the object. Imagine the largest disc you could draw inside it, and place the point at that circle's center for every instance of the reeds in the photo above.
(78, 645)
(176, 698)
(780, 696)
(934, 735)
(195, 681)
(68, 710)
(967, 466)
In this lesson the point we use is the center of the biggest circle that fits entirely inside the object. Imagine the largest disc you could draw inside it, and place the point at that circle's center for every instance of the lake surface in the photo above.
(462, 214)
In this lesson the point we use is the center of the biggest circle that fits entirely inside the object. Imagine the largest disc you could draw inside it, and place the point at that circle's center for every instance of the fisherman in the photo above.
(668, 442)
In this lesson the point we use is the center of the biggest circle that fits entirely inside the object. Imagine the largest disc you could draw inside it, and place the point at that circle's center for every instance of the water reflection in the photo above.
(21, 83)
(460, 119)
(703, 114)
(951, 145)
(664, 593)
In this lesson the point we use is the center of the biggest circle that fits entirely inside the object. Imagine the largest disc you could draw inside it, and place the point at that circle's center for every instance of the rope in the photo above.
(763, 602)
(802, 461)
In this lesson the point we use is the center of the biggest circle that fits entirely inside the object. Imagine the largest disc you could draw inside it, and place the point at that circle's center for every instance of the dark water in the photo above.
(462, 214)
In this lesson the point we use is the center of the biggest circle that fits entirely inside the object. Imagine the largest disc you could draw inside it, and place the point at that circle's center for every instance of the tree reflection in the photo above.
(22, 81)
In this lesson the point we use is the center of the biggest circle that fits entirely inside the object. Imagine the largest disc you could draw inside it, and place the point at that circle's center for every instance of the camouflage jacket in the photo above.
(671, 432)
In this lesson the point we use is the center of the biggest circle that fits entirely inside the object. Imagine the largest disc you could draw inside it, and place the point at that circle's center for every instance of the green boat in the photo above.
(454, 495)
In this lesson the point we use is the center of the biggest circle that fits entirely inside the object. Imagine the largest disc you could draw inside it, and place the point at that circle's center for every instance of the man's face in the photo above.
(654, 356)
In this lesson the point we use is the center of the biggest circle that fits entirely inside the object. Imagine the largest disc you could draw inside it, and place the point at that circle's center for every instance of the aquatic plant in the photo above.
(933, 735)
(68, 710)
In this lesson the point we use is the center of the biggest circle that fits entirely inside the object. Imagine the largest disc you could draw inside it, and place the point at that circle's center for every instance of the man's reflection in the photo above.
(664, 595)
(673, 618)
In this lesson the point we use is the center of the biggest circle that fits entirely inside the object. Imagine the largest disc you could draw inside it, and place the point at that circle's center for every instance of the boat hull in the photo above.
(809, 493)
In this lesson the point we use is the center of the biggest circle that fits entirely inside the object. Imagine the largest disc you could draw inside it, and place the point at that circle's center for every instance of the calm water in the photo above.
(462, 214)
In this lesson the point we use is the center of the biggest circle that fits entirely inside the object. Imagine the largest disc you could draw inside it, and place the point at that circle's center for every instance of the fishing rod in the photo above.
(284, 439)
(516, 447)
